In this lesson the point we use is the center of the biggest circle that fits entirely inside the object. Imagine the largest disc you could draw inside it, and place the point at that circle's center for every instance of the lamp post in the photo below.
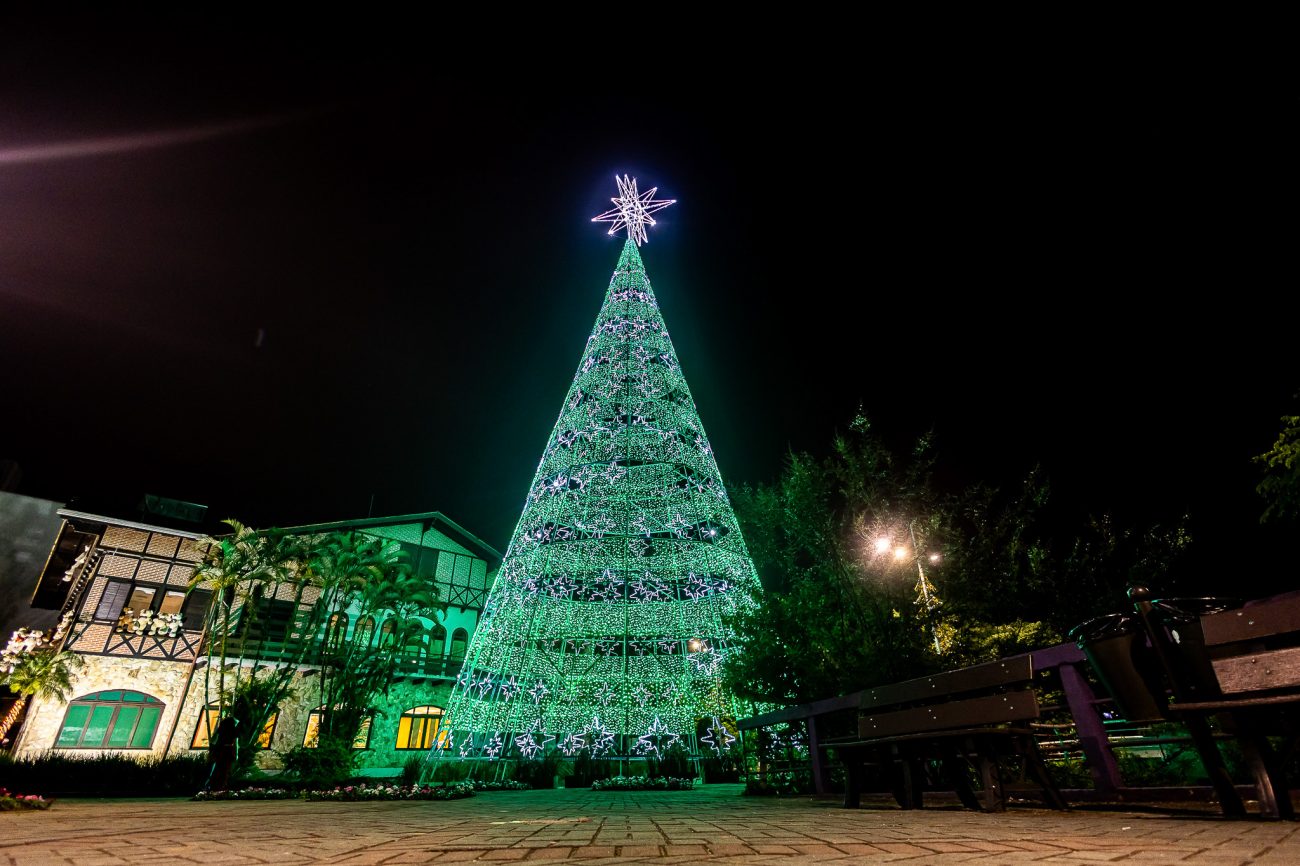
(927, 599)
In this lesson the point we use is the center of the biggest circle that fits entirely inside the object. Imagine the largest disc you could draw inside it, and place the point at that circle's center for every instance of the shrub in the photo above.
(353, 793)
(642, 783)
(105, 775)
(539, 773)
(411, 770)
(328, 765)
(779, 784)
(246, 794)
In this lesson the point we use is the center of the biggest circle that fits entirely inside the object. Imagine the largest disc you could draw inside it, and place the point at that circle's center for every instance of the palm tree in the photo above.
(232, 567)
(45, 673)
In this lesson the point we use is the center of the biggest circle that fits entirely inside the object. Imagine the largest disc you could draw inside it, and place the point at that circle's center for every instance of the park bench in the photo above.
(973, 718)
(1243, 666)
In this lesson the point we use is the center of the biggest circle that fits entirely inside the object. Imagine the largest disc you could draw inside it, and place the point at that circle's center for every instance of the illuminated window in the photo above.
(172, 602)
(438, 641)
(459, 638)
(311, 739)
(365, 630)
(337, 629)
(110, 720)
(362, 739)
(208, 723)
(386, 636)
(418, 727)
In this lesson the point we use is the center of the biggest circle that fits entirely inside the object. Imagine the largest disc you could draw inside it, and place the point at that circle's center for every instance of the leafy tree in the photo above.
(841, 544)
(1281, 483)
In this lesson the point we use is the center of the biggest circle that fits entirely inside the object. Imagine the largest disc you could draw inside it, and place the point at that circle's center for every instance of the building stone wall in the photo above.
(164, 680)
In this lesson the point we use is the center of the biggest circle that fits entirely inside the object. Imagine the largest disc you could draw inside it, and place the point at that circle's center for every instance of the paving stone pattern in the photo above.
(714, 824)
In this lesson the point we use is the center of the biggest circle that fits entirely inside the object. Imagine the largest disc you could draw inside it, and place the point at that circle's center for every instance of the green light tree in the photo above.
(606, 631)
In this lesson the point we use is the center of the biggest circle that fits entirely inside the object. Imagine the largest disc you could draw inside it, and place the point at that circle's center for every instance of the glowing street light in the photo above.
(927, 598)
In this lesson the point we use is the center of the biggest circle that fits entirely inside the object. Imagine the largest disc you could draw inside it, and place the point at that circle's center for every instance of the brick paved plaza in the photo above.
(711, 825)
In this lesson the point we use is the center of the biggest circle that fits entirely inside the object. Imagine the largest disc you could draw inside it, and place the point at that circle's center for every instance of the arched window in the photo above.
(459, 640)
(386, 631)
(365, 630)
(417, 642)
(438, 641)
(208, 723)
(418, 727)
(336, 629)
(311, 738)
(114, 719)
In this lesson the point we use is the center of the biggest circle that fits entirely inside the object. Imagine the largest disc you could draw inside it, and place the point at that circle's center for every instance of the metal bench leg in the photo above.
(993, 795)
(853, 770)
(1270, 779)
(1038, 770)
(956, 768)
(908, 779)
(1229, 800)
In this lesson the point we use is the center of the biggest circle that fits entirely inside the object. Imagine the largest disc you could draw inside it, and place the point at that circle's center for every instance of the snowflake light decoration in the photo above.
(632, 209)
(658, 739)
(534, 741)
(599, 737)
(718, 738)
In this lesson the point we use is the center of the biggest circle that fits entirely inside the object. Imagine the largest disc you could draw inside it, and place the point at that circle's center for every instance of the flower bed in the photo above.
(508, 785)
(246, 794)
(350, 793)
(11, 802)
(641, 783)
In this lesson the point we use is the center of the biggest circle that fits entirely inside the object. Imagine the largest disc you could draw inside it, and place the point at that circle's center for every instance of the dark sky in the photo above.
(1043, 265)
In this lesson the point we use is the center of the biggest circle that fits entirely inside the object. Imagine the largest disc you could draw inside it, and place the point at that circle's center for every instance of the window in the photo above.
(438, 641)
(196, 610)
(417, 642)
(365, 630)
(208, 723)
(311, 739)
(459, 638)
(141, 598)
(110, 720)
(386, 637)
(120, 595)
(418, 726)
(172, 602)
(336, 629)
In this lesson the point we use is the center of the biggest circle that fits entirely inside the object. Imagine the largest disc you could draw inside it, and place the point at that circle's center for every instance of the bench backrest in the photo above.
(988, 694)
(1240, 639)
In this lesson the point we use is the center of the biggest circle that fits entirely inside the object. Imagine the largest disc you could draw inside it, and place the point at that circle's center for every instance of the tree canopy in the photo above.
(868, 566)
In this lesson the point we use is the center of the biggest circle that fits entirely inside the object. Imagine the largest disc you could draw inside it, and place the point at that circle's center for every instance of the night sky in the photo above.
(278, 280)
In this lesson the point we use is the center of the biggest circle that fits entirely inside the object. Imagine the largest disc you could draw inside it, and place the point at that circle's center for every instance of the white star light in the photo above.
(632, 209)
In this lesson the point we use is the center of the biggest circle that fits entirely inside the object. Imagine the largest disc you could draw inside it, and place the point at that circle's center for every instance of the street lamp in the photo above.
(927, 599)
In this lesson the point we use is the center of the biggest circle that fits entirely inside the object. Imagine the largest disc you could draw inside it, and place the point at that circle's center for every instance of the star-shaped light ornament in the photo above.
(632, 209)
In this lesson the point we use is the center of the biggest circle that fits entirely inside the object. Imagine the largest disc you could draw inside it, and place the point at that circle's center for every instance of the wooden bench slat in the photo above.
(1278, 669)
(986, 676)
(988, 710)
(1258, 621)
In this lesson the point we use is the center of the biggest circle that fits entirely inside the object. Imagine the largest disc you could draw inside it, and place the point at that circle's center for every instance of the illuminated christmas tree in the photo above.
(605, 631)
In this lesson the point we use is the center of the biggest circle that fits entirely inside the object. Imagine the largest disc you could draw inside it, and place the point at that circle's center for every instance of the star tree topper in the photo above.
(632, 209)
